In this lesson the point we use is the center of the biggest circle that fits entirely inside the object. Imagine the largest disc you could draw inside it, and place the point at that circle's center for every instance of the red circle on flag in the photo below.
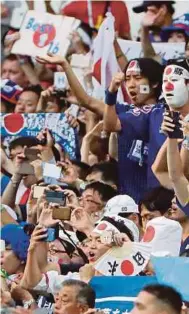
(168, 71)
(44, 35)
(14, 122)
(127, 268)
(102, 226)
(149, 234)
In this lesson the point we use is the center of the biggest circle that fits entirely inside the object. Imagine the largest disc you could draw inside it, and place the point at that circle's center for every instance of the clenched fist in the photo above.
(116, 82)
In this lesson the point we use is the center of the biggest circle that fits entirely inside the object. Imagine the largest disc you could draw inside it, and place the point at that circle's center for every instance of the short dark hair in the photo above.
(13, 57)
(85, 295)
(109, 171)
(158, 198)
(105, 191)
(166, 295)
(152, 70)
(83, 168)
(37, 89)
(30, 141)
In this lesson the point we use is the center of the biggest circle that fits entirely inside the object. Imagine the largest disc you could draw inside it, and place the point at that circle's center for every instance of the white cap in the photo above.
(120, 204)
(165, 236)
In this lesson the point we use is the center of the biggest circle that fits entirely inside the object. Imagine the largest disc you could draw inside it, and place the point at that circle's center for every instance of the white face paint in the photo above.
(175, 90)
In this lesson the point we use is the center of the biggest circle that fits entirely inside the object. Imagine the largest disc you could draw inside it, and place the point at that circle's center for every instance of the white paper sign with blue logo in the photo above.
(31, 124)
(115, 295)
(43, 33)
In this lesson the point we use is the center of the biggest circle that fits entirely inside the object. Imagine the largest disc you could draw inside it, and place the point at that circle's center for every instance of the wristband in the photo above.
(3, 273)
(110, 98)
(119, 56)
(185, 142)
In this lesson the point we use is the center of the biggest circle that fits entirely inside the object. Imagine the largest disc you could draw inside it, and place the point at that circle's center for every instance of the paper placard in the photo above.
(51, 171)
(133, 49)
(44, 33)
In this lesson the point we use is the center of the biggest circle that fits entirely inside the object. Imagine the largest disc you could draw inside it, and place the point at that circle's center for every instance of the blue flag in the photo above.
(115, 295)
(31, 124)
(174, 272)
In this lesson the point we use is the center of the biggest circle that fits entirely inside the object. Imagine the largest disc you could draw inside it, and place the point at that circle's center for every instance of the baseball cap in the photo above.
(10, 91)
(120, 204)
(14, 235)
(142, 8)
(179, 24)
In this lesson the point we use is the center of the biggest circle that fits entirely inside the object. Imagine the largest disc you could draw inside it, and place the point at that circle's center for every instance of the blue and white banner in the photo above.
(31, 124)
(174, 272)
(115, 295)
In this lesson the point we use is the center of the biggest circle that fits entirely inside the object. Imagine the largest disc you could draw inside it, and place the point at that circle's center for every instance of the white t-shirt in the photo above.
(52, 281)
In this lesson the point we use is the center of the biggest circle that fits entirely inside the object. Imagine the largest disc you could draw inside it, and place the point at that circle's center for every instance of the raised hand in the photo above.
(53, 59)
(116, 82)
(150, 19)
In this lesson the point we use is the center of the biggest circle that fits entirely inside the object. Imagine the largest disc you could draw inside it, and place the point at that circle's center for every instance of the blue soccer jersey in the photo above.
(140, 136)
(132, 141)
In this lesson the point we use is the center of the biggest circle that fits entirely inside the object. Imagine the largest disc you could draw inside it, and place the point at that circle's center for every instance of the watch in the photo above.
(27, 304)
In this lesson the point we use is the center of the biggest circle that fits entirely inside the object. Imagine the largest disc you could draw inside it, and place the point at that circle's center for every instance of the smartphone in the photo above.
(56, 197)
(61, 213)
(52, 234)
(177, 133)
(31, 154)
(38, 191)
(26, 168)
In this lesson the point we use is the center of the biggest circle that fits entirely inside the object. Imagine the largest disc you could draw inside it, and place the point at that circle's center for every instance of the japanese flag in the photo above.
(128, 260)
(105, 64)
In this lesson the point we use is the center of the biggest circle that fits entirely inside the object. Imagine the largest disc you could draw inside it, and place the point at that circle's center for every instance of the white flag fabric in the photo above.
(105, 64)
(128, 260)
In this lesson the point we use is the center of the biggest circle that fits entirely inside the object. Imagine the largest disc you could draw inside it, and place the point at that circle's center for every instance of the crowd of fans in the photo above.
(131, 174)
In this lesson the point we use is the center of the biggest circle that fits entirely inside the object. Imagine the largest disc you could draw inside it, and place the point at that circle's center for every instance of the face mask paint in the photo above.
(175, 90)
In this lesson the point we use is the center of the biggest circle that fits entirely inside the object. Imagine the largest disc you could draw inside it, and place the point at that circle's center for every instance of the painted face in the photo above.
(175, 89)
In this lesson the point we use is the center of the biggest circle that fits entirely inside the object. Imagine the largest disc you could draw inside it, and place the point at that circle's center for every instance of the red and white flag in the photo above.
(105, 64)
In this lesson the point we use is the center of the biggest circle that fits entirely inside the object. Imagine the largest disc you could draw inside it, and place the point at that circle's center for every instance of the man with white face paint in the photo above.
(176, 88)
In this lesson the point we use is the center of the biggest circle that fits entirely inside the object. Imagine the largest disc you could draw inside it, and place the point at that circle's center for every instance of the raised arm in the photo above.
(32, 273)
(147, 47)
(85, 100)
(177, 178)
(176, 174)
(160, 169)
(111, 120)
(121, 58)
